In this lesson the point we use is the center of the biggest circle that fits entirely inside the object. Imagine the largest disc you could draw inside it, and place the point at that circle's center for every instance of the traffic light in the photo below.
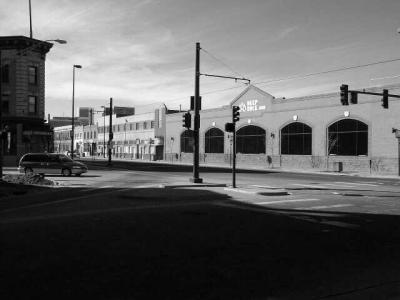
(353, 97)
(385, 99)
(235, 114)
(344, 94)
(229, 127)
(186, 120)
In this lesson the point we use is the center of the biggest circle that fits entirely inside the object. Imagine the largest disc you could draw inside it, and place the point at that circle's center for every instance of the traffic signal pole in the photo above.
(1, 125)
(234, 157)
(196, 123)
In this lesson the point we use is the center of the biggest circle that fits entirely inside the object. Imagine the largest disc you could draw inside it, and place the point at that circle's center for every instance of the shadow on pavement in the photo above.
(191, 244)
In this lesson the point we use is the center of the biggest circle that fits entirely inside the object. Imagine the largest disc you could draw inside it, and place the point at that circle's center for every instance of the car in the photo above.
(50, 163)
(76, 154)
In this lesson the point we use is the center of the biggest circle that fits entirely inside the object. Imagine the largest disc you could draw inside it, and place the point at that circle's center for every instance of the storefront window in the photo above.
(348, 137)
(187, 141)
(214, 141)
(296, 139)
(250, 140)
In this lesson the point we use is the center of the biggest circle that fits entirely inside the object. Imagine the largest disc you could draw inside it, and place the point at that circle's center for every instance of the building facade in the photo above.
(314, 132)
(22, 92)
(139, 136)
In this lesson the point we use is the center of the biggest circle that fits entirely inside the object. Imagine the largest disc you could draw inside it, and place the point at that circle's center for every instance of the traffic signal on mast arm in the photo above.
(186, 120)
(353, 97)
(344, 94)
(385, 99)
(235, 114)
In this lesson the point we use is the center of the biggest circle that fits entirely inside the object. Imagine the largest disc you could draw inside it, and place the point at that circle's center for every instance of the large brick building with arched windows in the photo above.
(313, 132)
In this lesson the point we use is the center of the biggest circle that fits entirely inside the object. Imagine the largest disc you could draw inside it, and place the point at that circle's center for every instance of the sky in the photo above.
(141, 52)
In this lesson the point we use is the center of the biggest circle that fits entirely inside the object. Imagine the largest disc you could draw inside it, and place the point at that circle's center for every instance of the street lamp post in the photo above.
(73, 108)
(125, 137)
(104, 131)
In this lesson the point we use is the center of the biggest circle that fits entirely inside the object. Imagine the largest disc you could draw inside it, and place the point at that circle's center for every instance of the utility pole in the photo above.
(110, 135)
(1, 125)
(196, 125)
(30, 20)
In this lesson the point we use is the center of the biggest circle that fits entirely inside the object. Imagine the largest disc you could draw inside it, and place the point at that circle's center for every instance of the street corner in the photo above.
(255, 190)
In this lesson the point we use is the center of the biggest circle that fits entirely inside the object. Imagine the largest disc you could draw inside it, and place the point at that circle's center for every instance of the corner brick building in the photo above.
(23, 97)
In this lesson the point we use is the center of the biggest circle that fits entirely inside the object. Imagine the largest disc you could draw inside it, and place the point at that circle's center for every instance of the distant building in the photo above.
(22, 92)
(121, 111)
(64, 121)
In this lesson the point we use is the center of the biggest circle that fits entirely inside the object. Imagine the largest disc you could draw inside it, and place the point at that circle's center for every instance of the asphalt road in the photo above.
(116, 234)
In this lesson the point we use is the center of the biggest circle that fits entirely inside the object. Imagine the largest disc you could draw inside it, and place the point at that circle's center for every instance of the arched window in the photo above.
(348, 137)
(214, 141)
(250, 139)
(187, 141)
(296, 138)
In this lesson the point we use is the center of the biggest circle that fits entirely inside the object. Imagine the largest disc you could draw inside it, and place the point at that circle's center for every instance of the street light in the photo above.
(126, 121)
(104, 131)
(73, 108)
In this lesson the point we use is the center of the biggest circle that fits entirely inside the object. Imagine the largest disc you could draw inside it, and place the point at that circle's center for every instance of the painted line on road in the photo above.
(266, 186)
(340, 185)
(286, 201)
(311, 185)
(326, 206)
(356, 183)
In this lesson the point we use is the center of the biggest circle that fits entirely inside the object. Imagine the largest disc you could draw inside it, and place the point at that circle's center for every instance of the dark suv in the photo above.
(50, 163)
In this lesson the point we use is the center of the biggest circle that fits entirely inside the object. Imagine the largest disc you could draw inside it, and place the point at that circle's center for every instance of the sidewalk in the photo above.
(255, 168)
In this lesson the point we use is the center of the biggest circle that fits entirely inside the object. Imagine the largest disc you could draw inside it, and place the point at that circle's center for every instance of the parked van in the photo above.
(50, 163)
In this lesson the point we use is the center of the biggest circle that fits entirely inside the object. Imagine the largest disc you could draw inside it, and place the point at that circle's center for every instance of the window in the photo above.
(152, 124)
(94, 134)
(214, 141)
(250, 139)
(296, 138)
(137, 126)
(32, 107)
(32, 75)
(5, 104)
(5, 74)
(348, 137)
(187, 142)
(144, 125)
(130, 126)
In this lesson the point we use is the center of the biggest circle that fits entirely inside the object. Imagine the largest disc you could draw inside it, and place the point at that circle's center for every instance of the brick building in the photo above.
(314, 132)
(22, 94)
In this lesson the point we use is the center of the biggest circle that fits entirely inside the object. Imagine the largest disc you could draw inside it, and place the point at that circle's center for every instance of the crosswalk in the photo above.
(296, 201)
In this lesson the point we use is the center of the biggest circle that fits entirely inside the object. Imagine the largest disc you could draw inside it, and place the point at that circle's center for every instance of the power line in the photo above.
(327, 72)
(221, 62)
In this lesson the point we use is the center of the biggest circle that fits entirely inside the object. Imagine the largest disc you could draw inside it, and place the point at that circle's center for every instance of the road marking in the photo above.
(340, 185)
(325, 206)
(356, 183)
(240, 191)
(310, 185)
(265, 186)
(286, 201)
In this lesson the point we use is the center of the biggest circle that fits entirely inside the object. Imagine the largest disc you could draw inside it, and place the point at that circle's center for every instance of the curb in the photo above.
(198, 185)
(266, 192)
